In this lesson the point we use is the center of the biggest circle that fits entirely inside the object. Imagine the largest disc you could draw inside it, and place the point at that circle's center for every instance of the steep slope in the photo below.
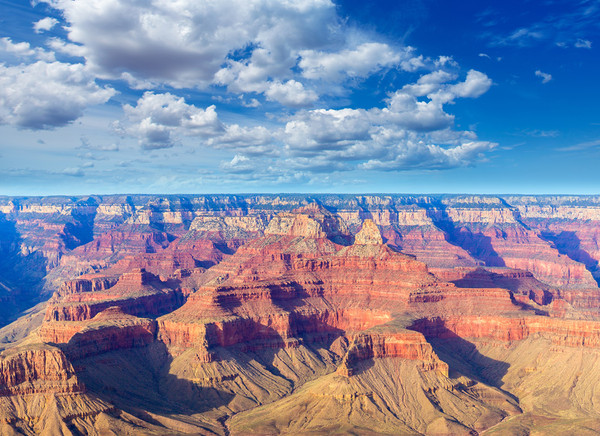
(40, 394)
(246, 316)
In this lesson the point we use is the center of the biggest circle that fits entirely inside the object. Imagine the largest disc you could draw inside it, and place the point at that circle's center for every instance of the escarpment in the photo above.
(295, 314)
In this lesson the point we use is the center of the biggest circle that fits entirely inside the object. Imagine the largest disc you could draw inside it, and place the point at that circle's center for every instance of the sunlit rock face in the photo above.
(293, 314)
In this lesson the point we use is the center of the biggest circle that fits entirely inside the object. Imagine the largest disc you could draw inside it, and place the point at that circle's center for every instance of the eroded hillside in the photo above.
(296, 314)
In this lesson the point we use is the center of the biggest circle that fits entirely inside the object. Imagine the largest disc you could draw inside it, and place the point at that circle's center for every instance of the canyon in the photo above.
(300, 314)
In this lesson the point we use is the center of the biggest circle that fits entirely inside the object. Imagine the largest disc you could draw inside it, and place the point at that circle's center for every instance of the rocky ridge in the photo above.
(252, 309)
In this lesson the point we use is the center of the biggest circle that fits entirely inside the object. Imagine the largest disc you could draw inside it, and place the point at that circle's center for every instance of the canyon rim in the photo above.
(258, 314)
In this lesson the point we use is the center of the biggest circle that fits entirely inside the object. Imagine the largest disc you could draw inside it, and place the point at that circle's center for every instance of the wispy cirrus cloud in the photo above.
(581, 146)
(583, 43)
(561, 22)
(546, 77)
(537, 133)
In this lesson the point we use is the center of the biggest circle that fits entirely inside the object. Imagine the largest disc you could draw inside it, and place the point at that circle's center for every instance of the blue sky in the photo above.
(237, 96)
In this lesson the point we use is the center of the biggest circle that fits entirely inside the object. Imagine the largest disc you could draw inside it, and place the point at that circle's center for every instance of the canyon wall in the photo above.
(249, 307)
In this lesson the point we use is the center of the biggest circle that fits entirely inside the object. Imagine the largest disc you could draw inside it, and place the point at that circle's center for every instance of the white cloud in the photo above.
(583, 43)
(434, 86)
(291, 93)
(158, 118)
(360, 61)
(413, 64)
(254, 140)
(73, 171)
(581, 146)
(87, 145)
(408, 133)
(322, 129)
(17, 48)
(428, 83)
(185, 43)
(545, 76)
(248, 46)
(422, 155)
(44, 24)
(61, 46)
(405, 111)
(44, 95)
(475, 85)
(524, 36)
(289, 52)
(240, 164)
(23, 50)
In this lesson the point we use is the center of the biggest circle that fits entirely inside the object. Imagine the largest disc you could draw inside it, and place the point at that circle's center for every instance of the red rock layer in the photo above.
(281, 287)
(523, 284)
(100, 339)
(406, 345)
(574, 333)
(430, 245)
(89, 283)
(137, 293)
(43, 369)
(517, 247)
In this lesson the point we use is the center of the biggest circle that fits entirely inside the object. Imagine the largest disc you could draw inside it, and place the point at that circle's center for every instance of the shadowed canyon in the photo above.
(300, 314)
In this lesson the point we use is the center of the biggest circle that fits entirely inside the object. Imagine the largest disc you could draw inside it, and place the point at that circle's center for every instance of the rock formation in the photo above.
(289, 314)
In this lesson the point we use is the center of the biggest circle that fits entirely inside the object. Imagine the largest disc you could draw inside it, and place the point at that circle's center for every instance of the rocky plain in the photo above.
(300, 314)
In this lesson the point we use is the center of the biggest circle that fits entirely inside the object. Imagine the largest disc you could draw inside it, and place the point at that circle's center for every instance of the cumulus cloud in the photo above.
(257, 140)
(291, 93)
(405, 111)
(434, 85)
(411, 155)
(377, 139)
(61, 46)
(475, 85)
(408, 133)
(185, 43)
(360, 61)
(44, 95)
(322, 129)
(249, 46)
(295, 53)
(240, 164)
(412, 131)
(428, 83)
(44, 24)
(17, 48)
(158, 118)
(545, 76)
(23, 50)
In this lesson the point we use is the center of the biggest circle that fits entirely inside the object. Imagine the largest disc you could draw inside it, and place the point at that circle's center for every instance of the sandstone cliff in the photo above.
(267, 314)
